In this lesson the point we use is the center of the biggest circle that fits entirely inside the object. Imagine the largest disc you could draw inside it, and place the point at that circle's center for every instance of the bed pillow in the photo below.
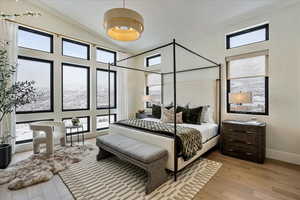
(185, 112)
(207, 114)
(194, 116)
(168, 116)
(156, 110)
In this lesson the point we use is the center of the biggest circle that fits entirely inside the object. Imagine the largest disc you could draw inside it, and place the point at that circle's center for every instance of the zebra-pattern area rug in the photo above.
(114, 179)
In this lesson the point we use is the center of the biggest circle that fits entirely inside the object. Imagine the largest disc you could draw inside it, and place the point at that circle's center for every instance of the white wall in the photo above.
(283, 121)
(53, 23)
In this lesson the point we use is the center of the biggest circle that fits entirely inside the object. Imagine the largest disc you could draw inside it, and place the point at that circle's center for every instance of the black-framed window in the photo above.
(102, 122)
(248, 75)
(153, 89)
(75, 49)
(102, 89)
(40, 71)
(84, 121)
(23, 132)
(33, 39)
(106, 56)
(75, 87)
(248, 36)
(153, 60)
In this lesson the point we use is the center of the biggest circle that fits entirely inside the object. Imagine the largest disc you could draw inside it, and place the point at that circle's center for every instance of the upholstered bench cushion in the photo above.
(143, 152)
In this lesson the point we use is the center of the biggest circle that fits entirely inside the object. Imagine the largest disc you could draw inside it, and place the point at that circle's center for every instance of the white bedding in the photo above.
(207, 130)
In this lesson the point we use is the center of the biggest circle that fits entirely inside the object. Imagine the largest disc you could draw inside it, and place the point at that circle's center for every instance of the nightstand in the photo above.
(245, 140)
(142, 115)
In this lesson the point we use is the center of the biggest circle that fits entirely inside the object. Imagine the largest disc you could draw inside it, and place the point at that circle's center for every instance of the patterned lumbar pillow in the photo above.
(168, 116)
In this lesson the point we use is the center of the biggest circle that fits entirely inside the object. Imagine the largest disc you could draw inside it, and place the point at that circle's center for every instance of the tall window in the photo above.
(84, 121)
(248, 74)
(248, 36)
(102, 121)
(75, 87)
(41, 72)
(23, 132)
(153, 89)
(106, 56)
(33, 39)
(153, 60)
(102, 89)
(75, 49)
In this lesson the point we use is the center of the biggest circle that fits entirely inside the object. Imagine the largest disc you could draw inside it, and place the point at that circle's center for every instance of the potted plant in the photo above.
(12, 96)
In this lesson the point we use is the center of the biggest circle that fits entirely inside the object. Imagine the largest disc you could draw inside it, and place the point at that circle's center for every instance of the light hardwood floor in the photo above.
(236, 180)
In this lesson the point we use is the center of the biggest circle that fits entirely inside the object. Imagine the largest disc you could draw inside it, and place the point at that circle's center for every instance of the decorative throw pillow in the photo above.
(195, 115)
(156, 111)
(168, 116)
(185, 112)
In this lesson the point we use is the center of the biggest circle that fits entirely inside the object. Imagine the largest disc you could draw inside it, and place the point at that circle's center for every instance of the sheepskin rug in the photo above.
(41, 167)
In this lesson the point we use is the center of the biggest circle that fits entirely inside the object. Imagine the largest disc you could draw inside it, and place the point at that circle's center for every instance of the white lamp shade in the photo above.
(240, 98)
(123, 24)
(146, 98)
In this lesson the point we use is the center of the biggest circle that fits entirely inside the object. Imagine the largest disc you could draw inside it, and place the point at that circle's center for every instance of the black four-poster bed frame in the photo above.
(173, 44)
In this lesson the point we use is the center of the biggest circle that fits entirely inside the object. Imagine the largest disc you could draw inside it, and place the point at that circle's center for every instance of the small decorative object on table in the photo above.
(244, 139)
(75, 121)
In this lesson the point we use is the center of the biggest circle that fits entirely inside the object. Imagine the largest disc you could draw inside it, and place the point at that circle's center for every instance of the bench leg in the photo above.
(156, 175)
(103, 154)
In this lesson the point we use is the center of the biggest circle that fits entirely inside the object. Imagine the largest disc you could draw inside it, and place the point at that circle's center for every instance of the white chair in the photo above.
(49, 133)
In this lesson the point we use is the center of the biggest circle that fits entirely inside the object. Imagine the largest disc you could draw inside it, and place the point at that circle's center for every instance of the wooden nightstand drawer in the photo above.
(243, 140)
(241, 137)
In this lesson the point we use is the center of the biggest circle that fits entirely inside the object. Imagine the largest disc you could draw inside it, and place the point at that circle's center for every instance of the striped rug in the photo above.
(114, 179)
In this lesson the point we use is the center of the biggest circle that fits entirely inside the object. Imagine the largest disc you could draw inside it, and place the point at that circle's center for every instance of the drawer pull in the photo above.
(231, 150)
(248, 154)
(250, 132)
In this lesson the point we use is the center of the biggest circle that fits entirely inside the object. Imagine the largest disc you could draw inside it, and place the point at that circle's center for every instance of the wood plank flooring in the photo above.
(236, 180)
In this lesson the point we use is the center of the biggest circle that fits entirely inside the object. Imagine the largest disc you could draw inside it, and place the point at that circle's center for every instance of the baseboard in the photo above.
(284, 156)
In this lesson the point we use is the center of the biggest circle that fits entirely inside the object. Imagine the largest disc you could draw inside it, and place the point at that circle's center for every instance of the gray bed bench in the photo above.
(148, 157)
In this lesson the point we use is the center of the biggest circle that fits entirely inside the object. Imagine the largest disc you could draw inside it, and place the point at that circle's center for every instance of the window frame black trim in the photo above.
(79, 117)
(109, 51)
(62, 86)
(151, 57)
(51, 85)
(249, 30)
(102, 115)
(23, 28)
(78, 43)
(115, 89)
(250, 113)
(31, 121)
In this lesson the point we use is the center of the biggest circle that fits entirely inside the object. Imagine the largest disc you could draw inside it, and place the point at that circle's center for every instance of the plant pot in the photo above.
(5, 155)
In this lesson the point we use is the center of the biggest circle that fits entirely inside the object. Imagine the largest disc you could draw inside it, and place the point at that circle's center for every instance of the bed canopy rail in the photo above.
(174, 44)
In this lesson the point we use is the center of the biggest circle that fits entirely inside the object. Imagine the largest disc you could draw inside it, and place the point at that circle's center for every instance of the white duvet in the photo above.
(208, 130)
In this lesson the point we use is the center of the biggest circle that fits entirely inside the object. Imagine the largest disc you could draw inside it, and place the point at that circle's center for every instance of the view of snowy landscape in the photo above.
(102, 89)
(75, 87)
(247, 75)
(40, 72)
(102, 121)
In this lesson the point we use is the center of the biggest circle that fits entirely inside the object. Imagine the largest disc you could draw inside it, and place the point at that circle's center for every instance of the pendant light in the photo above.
(123, 24)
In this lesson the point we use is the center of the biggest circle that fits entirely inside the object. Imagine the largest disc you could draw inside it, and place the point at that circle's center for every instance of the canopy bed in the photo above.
(169, 135)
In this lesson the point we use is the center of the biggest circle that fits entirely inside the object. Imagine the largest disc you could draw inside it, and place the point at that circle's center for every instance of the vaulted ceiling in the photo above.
(164, 19)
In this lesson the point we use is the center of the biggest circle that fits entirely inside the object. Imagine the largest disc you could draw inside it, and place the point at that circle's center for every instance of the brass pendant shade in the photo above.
(123, 24)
